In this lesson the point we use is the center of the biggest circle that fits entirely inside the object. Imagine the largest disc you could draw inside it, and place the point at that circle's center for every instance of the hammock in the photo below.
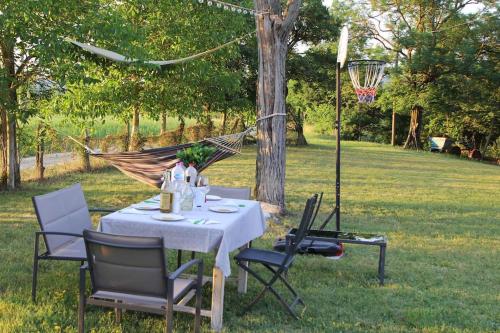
(148, 166)
(113, 56)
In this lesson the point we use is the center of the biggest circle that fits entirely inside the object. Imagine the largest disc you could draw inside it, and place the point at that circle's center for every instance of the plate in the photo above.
(167, 217)
(223, 209)
(213, 197)
(145, 206)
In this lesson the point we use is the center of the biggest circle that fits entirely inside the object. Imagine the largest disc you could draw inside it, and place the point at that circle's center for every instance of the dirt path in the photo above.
(49, 159)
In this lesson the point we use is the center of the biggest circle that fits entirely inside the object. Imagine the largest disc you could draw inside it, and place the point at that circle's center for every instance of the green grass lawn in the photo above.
(441, 216)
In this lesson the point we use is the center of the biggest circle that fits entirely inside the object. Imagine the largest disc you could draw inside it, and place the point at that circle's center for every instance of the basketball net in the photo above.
(366, 76)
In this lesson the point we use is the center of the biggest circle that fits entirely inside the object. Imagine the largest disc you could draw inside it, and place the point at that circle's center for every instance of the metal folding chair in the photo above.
(278, 263)
(130, 273)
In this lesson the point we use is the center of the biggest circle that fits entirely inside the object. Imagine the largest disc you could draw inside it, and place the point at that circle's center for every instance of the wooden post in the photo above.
(218, 281)
(243, 275)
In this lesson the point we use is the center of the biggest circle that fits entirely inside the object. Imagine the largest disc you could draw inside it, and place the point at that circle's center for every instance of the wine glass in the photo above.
(202, 187)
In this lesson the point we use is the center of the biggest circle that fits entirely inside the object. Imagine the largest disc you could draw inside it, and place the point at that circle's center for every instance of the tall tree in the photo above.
(274, 23)
(421, 32)
(30, 49)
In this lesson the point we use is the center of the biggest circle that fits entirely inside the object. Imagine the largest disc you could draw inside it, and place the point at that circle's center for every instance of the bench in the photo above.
(352, 238)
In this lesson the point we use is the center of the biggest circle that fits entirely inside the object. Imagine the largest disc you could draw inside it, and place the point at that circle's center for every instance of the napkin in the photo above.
(133, 211)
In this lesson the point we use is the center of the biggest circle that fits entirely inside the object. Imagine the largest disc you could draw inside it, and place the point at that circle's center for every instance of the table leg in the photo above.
(242, 274)
(217, 299)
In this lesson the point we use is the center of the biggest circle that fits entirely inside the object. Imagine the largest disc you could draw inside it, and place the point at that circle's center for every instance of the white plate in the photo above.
(167, 217)
(145, 206)
(223, 209)
(213, 197)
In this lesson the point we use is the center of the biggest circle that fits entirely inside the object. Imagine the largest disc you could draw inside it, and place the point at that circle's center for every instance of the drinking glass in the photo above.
(203, 187)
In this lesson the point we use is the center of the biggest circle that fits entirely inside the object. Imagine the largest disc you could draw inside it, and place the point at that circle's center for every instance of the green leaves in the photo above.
(196, 154)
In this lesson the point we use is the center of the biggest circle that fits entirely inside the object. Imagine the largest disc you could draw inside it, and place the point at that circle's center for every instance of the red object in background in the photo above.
(475, 154)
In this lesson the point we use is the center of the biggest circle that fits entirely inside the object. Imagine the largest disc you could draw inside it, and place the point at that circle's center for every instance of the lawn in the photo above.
(441, 216)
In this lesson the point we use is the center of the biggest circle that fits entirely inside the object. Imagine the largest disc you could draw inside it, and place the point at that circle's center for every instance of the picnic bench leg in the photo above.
(217, 299)
(381, 264)
(242, 274)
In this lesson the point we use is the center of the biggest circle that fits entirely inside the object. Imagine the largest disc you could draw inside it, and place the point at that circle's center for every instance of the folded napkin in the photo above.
(134, 211)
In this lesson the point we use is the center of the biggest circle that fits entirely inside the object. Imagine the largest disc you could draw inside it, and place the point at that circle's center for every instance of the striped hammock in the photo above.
(148, 165)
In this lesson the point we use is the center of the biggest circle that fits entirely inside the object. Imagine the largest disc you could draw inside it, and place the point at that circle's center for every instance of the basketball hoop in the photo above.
(370, 72)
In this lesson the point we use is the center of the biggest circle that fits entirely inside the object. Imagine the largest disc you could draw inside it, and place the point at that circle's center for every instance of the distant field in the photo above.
(441, 216)
(99, 129)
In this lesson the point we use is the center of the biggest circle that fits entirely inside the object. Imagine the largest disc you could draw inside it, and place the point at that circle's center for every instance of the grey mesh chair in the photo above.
(278, 263)
(62, 216)
(130, 273)
(243, 193)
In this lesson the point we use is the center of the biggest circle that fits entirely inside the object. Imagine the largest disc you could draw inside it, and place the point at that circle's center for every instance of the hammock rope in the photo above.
(111, 55)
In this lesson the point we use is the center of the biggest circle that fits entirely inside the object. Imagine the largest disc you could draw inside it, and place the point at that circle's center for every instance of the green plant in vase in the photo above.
(197, 155)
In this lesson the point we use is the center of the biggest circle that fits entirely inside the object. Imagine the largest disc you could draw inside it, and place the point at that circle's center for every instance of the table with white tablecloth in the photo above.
(219, 232)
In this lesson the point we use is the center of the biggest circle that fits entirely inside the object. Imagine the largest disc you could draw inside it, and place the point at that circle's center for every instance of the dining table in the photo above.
(219, 226)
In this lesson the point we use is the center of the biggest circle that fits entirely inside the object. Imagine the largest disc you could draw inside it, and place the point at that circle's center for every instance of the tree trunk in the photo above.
(163, 128)
(224, 122)
(301, 139)
(40, 151)
(10, 105)
(413, 139)
(134, 134)
(14, 178)
(273, 29)
(393, 131)
(85, 155)
(3, 149)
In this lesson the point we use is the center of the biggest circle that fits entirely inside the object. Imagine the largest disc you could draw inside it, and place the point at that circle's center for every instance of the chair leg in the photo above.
(268, 287)
(170, 307)
(118, 314)
(35, 271)
(199, 285)
(81, 304)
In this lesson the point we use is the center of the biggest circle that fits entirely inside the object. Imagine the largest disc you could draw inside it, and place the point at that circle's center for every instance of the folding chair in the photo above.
(278, 263)
(62, 216)
(129, 272)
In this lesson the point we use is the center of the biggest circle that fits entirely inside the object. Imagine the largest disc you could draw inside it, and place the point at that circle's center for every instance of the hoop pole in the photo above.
(337, 160)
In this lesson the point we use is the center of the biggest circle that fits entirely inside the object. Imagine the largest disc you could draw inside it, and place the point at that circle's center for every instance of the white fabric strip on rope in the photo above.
(269, 116)
(110, 55)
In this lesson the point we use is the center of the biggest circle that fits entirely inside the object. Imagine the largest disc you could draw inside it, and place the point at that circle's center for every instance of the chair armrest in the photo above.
(57, 233)
(102, 210)
(174, 275)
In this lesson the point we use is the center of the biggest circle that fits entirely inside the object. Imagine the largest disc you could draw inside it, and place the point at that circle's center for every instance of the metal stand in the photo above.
(337, 161)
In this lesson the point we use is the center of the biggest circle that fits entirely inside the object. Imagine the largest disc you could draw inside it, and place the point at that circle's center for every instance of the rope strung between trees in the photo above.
(110, 55)
(269, 116)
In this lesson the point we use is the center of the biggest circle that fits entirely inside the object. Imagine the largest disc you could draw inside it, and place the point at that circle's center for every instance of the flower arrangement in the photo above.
(196, 154)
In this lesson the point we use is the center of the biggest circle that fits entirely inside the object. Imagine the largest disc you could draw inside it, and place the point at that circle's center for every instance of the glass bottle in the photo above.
(166, 194)
(187, 196)
(192, 174)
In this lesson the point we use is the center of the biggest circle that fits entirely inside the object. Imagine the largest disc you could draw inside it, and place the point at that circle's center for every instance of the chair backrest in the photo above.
(126, 264)
(243, 193)
(303, 227)
(64, 210)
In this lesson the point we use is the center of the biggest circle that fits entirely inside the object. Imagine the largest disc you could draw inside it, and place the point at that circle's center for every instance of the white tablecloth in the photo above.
(233, 231)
